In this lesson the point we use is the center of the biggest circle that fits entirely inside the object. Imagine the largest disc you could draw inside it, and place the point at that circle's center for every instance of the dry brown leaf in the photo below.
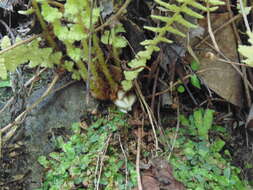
(163, 172)
(160, 176)
(149, 183)
(221, 77)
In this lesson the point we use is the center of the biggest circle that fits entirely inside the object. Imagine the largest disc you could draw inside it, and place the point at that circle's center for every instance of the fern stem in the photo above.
(82, 69)
(43, 25)
(102, 63)
(57, 4)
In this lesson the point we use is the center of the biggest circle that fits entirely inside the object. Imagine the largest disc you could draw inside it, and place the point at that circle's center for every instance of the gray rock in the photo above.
(59, 110)
(56, 113)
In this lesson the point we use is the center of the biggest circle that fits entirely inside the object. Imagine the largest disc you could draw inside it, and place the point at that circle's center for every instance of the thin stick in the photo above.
(148, 110)
(114, 17)
(102, 161)
(175, 137)
(210, 31)
(7, 104)
(8, 30)
(124, 154)
(138, 156)
(244, 16)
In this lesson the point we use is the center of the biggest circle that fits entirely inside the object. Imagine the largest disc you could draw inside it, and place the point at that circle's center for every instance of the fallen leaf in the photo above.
(221, 77)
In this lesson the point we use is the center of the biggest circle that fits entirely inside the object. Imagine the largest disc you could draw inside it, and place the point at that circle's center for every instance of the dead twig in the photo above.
(8, 30)
(246, 22)
(102, 162)
(175, 136)
(140, 129)
(125, 156)
(210, 30)
(114, 17)
(147, 109)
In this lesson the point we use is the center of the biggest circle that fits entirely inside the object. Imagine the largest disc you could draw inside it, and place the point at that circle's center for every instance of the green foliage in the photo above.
(195, 65)
(176, 9)
(198, 160)
(65, 43)
(247, 51)
(75, 165)
(31, 53)
(113, 38)
(5, 83)
(181, 89)
(195, 81)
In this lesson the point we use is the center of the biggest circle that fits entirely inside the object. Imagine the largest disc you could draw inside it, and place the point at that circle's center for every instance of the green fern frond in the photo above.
(25, 53)
(177, 9)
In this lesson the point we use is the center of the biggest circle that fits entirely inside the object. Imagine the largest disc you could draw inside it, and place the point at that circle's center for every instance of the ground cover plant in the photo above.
(89, 160)
(201, 160)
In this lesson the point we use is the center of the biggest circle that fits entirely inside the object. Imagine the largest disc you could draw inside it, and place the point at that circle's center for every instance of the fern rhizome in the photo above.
(72, 38)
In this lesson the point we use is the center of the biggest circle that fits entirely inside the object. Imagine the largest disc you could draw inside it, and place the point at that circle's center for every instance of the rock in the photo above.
(56, 113)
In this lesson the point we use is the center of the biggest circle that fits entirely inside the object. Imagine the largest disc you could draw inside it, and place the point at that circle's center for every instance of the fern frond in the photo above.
(182, 6)
(25, 53)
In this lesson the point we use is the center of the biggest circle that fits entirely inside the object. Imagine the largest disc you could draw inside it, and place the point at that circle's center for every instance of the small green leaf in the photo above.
(106, 39)
(127, 85)
(5, 84)
(3, 70)
(184, 121)
(50, 14)
(43, 161)
(195, 81)
(5, 42)
(217, 145)
(55, 155)
(181, 89)
(195, 65)
(119, 42)
(131, 75)
(198, 121)
(68, 65)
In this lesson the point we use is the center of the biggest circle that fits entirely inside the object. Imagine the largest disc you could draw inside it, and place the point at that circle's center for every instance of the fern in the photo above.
(65, 36)
(10, 60)
(66, 30)
(182, 6)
